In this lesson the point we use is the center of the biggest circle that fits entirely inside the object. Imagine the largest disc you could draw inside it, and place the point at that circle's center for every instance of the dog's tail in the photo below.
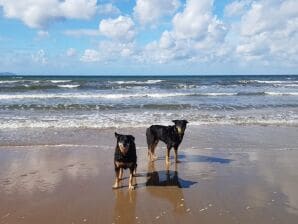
(150, 141)
(149, 137)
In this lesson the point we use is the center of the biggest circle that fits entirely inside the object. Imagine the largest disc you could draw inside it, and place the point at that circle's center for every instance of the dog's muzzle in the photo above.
(179, 130)
(122, 148)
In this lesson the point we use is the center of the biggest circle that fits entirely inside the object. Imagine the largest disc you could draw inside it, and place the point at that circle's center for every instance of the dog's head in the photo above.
(180, 125)
(124, 142)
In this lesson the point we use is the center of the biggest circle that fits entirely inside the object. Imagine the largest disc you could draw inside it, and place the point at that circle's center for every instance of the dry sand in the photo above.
(228, 174)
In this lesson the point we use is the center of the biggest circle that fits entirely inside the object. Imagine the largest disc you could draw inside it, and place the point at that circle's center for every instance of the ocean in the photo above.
(115, 102)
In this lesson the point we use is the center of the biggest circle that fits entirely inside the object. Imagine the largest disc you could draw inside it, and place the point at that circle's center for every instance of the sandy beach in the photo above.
(228, 174)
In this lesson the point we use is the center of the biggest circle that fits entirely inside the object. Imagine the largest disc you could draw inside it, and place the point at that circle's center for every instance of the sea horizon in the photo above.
(141, 75)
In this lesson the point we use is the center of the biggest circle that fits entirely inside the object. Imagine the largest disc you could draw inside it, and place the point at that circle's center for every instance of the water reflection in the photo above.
(125, 206)
(169, 186)
(30, 171)
(166, 177)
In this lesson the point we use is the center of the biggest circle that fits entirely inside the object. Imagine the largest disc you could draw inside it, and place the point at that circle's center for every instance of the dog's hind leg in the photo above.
(151, 152)
(150, 143)
(168, 154)
(176, 155)
(153, 147)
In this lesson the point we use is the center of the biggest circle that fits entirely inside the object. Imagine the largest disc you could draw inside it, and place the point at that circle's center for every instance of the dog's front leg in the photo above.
(130, 185)
(117, 171)
(120, 173)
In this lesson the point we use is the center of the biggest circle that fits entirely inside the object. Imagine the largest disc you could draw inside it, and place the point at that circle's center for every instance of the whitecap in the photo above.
(59, 81)
(68, 86)
(282, 93)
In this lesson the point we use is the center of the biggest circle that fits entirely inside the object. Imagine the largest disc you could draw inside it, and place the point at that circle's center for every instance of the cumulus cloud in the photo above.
(112, 50)
(38, 14)
(194, 20)
(236, 8)
(120, 29)
(196, 31)
(82, 32)
(261, 32)
(40, 57)
(120, 43)
(43, 34)
(90, 55)
(108, 9)
(71, 52)
(150, 11)
(268, 31)
(266, 16)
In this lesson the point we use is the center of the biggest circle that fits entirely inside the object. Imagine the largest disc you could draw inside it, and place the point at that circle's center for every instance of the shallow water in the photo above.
(228, 174)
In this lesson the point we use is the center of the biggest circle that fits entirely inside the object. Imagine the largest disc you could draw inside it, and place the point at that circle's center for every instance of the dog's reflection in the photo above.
(167, 185)
(125, 206)
(166, 178)
(162, 178)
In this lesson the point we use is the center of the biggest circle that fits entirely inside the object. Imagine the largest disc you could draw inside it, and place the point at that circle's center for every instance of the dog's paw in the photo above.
(153, 159)
(131, 187)
(115, 186)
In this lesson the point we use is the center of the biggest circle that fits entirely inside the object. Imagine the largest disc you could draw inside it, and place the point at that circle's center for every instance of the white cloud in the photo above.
(71, 52)
(264, 16)
(108, 9)
(120, 29)
(82, 32)
(236, 8)
(40, 57)
(150, 11)
(43, 34)
(196, 33)
(120, 44)
(90, 55)
(261, 33)
(194, 20)
(38, 14)
(268, 31)
(112, 50)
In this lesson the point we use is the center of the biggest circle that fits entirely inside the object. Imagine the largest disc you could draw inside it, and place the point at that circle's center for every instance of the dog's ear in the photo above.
(185, 121)
(133, 138)
(174, 121)
(116, 135)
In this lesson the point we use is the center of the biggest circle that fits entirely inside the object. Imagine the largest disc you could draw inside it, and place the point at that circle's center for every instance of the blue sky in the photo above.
(149, 37)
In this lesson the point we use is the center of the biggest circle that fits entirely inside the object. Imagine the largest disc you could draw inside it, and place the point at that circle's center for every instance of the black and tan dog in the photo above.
(125, 157)
(171, 135)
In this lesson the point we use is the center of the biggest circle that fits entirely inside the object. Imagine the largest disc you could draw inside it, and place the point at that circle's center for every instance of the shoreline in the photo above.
(73, 184)
(75, 137)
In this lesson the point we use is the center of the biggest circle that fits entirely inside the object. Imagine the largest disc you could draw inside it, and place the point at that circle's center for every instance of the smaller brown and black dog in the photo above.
(171, 135)
(125, 157)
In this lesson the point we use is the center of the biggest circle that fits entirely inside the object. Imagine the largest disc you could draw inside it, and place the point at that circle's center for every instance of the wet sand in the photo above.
(228, 174)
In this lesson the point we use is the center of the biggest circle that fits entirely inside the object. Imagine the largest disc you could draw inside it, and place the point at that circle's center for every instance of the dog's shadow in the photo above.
(203, 159)
(199, 159)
